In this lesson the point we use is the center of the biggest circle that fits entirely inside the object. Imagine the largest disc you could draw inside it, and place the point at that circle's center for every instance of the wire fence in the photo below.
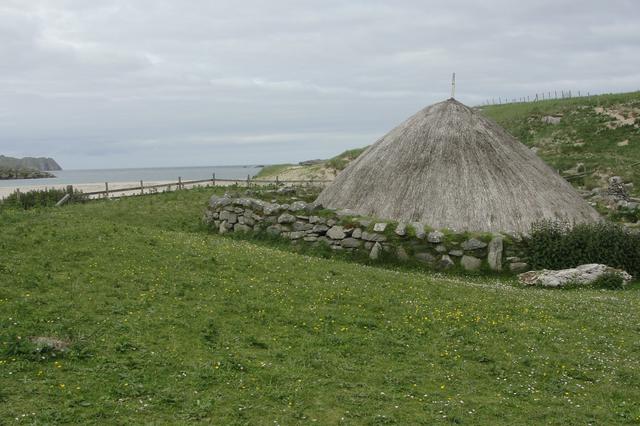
(537, 97)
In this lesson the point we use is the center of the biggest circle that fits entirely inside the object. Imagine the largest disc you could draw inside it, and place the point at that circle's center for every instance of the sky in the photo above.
(151, 83)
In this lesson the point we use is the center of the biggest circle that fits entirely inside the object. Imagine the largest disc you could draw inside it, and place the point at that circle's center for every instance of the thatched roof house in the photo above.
(448, 166)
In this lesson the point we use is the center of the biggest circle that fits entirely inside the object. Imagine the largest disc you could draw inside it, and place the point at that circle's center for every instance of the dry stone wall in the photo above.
(310, 223)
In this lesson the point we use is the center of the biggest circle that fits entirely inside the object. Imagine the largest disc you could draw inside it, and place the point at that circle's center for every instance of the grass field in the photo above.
(588, 133)
(169, 324)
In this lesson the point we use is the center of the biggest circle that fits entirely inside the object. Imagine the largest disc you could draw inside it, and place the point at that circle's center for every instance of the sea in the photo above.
(70, 177)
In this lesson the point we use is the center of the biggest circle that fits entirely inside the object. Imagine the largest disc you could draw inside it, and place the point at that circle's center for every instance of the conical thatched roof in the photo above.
(448, 166)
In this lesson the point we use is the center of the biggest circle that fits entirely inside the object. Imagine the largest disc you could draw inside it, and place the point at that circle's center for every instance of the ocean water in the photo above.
(69, 177)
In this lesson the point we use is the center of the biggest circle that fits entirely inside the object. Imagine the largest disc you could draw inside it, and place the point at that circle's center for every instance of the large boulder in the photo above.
(494, 257)
(320, 229)
(239, 227)
(228, 216)
(297, 206)
(336, 233)
(446, 262)
(473, 244)
(401, 229)
(419, 230)
(583, 274)
(550, 119)
(375, 251)
(351, 243)
(216, 202)
(470, 263)
(286, 218)
(435, 237)
(372, 236)
(49, 344)
(425, 257)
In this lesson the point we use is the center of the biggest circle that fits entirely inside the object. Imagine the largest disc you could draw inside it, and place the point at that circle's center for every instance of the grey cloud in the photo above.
(159, 82)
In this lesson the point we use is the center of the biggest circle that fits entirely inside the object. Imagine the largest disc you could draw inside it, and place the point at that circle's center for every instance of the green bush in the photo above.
(39, 198)
(609, 281)
(339, 162)
(557, 245)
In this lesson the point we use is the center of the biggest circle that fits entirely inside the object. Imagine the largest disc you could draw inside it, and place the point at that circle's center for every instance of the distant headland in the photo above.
(36, 163)
(27, 168)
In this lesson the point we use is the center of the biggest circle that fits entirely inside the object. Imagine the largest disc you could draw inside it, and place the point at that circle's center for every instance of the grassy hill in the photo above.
(324, 170)
(168, 324)
(600, 132)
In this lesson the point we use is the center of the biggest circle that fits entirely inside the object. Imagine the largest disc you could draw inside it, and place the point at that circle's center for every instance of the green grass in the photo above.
(581, 137)
(271, 170)
(339, 162)
(171, 325)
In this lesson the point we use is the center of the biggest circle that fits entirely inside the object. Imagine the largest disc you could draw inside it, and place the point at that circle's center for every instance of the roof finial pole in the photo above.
(453, 86)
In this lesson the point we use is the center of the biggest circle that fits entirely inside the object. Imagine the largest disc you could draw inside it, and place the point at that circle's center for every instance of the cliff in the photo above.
(40, 163)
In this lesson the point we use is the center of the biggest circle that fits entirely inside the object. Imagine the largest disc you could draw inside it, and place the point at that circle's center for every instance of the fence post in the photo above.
(248, 177)
(179, 182)
(18, 195)
(141, 187)
(70, 189)
(106, 189)
(277, 180)
(63, 200)
(213, 180)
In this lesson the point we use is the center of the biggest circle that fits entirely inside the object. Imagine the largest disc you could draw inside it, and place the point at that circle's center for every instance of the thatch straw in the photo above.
(450, 167)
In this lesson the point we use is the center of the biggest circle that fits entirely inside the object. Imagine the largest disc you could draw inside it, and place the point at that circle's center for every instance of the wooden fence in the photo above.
(181, 184)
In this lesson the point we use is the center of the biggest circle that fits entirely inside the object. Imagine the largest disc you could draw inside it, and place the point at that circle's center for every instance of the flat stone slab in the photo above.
(380, 227)
(583, 274)
(473, 244)
(372, 236)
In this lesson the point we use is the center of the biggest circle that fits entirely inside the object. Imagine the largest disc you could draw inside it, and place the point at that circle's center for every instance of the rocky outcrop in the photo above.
(7, 173)
(583, 274)
(550, 119)
(617, 189)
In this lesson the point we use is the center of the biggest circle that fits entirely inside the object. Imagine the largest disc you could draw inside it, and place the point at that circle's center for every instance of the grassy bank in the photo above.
(324, 170)
(600, 132)
(271, 171)
(168, 324)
